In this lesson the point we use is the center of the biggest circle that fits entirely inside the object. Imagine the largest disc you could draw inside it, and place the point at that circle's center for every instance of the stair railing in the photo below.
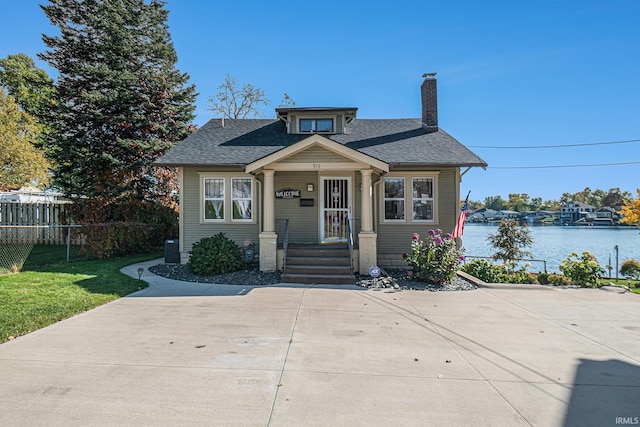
(350, 242)
(285, 244)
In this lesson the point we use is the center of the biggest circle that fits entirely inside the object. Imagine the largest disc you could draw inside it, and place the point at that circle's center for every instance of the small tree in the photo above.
(20, 161)
(510, 242)
(631, 268)
(631, 211)
(235, 102)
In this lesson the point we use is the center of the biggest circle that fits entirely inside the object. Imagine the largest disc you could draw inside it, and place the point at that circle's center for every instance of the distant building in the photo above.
(481, 215)
(576, 211)
(506, 214)
(29, 195)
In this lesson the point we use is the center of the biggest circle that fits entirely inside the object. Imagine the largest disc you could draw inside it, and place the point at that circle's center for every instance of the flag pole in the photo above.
(459, 228)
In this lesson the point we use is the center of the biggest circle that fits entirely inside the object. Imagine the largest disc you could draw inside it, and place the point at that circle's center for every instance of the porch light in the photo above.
(310, 188)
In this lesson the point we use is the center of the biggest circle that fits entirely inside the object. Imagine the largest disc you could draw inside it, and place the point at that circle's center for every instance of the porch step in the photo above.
(318, 264)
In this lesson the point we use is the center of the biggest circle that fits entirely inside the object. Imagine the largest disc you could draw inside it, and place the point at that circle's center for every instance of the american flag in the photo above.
(458, 231)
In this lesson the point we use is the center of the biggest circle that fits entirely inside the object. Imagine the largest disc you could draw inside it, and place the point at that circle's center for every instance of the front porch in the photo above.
(317, 264)
(322, 188)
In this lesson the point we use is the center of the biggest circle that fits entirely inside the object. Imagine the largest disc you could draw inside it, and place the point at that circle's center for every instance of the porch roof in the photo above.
(397, 142)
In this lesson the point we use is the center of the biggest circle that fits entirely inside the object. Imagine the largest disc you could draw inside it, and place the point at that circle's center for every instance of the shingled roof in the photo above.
(398, 142)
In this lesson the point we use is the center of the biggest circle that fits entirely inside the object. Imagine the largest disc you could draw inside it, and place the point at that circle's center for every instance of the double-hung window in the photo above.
(214, 196)
(394, 199)
(241, 197)
(416, 193)
(227, 199)
(422, 199)
(316, 125)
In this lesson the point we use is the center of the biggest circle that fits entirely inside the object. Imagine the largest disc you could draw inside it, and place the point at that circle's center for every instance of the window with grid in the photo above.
(422, 199)
(213, 199)
(394, 199)
(241, 198)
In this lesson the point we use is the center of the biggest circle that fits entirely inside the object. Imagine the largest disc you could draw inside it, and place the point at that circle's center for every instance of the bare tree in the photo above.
(287, 101)
(235, 102)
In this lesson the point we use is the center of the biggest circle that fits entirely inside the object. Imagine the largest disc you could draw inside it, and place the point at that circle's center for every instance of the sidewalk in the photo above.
(291, 355)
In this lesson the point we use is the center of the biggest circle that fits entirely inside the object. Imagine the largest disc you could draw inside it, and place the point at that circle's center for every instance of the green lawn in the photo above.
(49, 290)
(634, 286)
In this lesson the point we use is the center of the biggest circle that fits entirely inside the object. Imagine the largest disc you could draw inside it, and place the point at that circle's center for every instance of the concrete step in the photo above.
(319, 279)
(336, 252)
(319, 264)
(319, 269)
(305, 260)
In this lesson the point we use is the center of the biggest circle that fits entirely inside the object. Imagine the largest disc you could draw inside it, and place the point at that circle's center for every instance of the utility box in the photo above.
(172, 251)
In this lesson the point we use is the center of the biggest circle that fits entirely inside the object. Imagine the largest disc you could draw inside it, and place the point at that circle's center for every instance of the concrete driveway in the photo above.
(195, 354)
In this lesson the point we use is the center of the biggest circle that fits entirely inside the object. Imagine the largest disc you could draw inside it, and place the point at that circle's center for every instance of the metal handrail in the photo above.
(285, 244)
(350, 242)
(515, 259)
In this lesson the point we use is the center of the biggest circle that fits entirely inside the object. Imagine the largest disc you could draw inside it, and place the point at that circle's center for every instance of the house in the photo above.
(605, 215)
(481, 215)
(505, 213)
(320, 175)
(575, 211)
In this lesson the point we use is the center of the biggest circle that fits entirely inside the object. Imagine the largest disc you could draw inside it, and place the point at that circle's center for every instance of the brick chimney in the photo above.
(429, 91)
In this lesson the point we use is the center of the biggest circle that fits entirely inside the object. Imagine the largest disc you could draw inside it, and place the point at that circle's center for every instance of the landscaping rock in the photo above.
(252, 276)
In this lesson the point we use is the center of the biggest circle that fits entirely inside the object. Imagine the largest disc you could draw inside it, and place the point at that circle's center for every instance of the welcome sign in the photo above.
(287, 194)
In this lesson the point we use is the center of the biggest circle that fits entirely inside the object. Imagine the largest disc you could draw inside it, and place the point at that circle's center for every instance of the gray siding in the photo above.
(303, 220)
(395, 238)
(190, 210)
(316, 155)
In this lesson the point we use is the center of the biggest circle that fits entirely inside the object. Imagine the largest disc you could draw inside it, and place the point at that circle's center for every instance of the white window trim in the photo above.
(408, 198)
(404, 199)
(331, 117)
(228, 198)
(203, 199)
(252, 199)
(433, 199)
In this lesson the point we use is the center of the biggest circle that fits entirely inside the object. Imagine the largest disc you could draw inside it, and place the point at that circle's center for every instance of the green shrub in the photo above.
(583, 270)
(116, 239)
(631, 268)
(123, 227)
(215, 255)
(497, 273)
(554, 279)
(484, 270)
(543, 278)
(559, 280)
(434, 259)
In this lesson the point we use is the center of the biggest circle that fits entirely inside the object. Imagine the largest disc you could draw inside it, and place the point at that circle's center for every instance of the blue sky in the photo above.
(510, 74)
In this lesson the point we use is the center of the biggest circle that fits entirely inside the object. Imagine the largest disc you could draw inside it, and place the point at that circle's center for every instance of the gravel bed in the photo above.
(252, 276)
(398, 279)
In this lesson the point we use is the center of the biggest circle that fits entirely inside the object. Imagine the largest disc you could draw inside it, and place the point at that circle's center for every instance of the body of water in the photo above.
(555, 243)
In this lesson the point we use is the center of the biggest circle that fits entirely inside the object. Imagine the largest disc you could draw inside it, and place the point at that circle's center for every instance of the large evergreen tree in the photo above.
(121, 102)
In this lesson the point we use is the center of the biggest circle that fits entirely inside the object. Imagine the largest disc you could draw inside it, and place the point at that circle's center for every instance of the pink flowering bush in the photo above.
(434, 259)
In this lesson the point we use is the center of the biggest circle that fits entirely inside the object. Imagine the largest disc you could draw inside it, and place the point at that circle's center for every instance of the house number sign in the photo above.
(287, 194)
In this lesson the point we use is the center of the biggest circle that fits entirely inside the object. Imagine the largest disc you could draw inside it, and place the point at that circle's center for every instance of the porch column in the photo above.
(366, 208)
(269, 216)
(268, 236)
(367, 239)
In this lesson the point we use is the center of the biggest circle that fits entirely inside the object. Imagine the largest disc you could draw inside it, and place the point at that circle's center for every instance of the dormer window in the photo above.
(316, 125)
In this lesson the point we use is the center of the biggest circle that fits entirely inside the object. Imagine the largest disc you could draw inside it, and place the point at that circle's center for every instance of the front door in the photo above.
(335, 209)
